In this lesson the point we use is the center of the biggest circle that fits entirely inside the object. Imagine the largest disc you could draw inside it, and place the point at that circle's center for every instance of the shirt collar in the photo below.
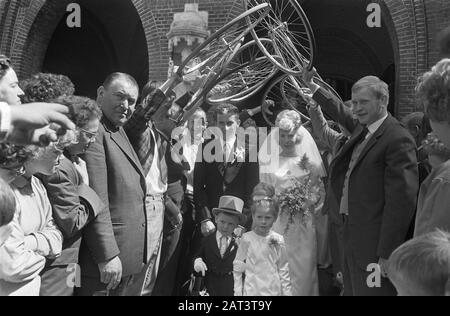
(376, 125)
(229, 142)
(23, 184)
(219, 236)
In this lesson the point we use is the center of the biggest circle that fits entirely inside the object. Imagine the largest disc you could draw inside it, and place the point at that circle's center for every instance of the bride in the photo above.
(290, 153)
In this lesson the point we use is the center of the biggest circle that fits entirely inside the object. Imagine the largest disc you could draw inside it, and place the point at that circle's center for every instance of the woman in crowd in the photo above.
(34, 236)
(434, 196)
(434, 91)
(74, 204)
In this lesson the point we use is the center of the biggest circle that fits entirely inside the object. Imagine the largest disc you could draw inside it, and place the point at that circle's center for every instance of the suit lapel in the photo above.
(121, 140)
(214, 245)
(348, 146)
(230, 248)
(373, 140)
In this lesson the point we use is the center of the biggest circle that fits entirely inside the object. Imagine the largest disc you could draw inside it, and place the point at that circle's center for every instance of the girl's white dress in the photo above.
(301, 240)
(264, 262)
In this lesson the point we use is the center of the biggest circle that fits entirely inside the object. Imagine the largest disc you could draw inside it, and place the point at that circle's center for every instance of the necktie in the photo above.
(226, 152)
(355, 153)
(223, 245)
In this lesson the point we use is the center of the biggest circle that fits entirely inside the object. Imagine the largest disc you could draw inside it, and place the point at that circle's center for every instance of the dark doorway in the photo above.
(347, 48)
(111, 38)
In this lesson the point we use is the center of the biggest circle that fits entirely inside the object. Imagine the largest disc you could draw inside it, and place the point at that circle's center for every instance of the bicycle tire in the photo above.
(262, 9)
(299, 63)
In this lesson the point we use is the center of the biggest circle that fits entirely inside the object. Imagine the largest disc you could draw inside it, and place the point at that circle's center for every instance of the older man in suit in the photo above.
(374, 179)
(116, 175)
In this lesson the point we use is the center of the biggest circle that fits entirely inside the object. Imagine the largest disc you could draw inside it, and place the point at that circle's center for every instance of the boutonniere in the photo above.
(239, 154)
(274, 242)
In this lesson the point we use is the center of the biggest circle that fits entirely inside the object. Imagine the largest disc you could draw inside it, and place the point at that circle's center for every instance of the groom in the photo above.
(225, 169)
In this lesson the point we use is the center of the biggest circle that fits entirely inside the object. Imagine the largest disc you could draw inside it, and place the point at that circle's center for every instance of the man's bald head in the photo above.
(119, 76)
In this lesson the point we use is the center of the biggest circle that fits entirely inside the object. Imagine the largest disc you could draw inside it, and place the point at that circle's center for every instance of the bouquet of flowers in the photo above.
(301, 197)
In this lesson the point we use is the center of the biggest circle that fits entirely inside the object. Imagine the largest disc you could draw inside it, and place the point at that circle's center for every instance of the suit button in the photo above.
(143, 225)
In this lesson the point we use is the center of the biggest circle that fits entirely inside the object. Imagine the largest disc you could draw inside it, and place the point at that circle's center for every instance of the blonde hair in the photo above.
(377, 86)
(288, 120)
(433, 89)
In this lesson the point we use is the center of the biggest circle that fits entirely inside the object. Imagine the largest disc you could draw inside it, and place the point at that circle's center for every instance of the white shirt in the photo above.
(155, 185)
(219, 237)
(190, 152)
(375, 126)
(5, 120)
(230, 146)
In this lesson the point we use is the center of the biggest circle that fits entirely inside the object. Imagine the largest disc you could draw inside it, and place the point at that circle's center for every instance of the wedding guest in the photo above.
(45, 87)
(261, 265)
(415, 123)
(25, 124)
(116, 175)
(420, 267)
(76, 207)
(434, 195)
(379, 159)
(7, 210)
(151, 145)
(215, 258)
(433, 90)
(35, 236)
(191, 140)
(332, 139)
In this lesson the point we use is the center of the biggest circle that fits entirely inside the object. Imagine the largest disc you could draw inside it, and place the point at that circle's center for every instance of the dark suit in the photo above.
(219, 279)
(74, 206)
(213, 180)
(382, 194)
(116, 175)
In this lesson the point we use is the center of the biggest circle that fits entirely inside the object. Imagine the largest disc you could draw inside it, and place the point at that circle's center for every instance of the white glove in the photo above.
(200, 266)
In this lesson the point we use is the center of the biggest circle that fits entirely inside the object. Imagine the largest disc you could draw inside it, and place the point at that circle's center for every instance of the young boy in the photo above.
(421, 267)
(217, 252)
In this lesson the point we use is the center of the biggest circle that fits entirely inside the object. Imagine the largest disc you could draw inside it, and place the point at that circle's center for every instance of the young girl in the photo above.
(262, 255)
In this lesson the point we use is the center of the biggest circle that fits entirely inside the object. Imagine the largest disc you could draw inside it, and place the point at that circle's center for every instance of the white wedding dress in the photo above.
(300, 237)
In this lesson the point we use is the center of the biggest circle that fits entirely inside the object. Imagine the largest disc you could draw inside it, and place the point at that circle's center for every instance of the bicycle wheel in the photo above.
(207, 54)
(211, 80)
(246, 74)
(274, 93)
(289, 29)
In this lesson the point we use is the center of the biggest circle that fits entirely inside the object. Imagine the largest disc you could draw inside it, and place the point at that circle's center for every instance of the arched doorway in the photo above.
(348, 49)
(111, 38)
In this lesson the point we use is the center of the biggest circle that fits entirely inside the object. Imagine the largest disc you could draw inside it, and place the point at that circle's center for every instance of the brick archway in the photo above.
(27, 38)
(406, 23)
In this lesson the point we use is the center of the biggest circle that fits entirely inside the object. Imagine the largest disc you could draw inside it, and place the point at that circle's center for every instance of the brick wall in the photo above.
(438, 18)
(27, 26)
